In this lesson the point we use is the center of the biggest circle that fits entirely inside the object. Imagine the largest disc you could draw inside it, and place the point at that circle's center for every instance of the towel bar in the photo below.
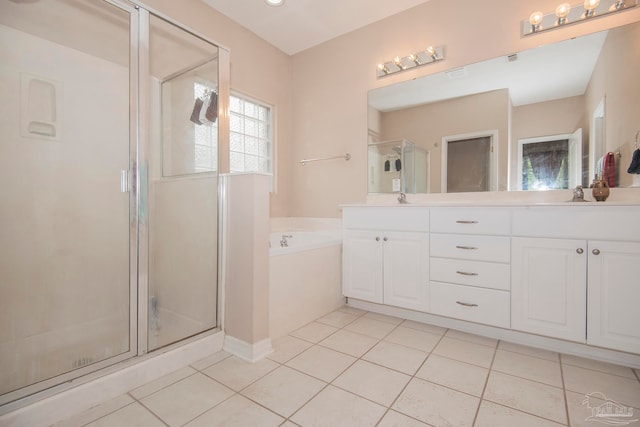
(346, 157)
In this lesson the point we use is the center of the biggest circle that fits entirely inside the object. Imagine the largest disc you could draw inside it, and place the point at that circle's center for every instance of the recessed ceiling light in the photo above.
(274, 2)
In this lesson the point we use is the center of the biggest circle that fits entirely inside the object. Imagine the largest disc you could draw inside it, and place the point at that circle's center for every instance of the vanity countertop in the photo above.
(618, 197)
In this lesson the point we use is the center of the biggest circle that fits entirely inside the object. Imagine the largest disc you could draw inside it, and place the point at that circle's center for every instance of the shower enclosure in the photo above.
(109, 204)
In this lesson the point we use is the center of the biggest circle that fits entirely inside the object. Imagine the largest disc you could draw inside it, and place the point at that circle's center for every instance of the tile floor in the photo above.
(357, 368)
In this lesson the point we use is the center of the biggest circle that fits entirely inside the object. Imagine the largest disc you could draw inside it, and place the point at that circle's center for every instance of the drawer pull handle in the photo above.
(466, 222)
(464, 273)
(466, 304)
(596, 252)
(467, 248)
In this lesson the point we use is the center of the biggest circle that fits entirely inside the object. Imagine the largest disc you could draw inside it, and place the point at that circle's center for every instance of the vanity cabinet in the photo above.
(362, 254)
(549, 288)
(569, 272)
(613, 319)
(469, 264)
(574, 274)
(385, 259)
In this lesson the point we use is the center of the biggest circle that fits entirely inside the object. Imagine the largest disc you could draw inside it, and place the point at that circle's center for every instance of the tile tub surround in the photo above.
(340, 370)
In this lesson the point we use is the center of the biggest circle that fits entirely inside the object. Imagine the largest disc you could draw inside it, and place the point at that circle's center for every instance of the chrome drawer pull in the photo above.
(467, 248)
(466, 222)
(466, 304)
(464, 273)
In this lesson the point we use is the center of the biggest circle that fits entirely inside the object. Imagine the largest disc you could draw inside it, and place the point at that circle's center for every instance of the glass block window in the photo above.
(205, 138)
(251, 139)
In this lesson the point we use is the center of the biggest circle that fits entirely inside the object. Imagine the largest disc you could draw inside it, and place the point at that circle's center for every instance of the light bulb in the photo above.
(414, 58)
(399, 63)
(590, 7)
(383, 68)
(562, 12)
(535, 20)
(274, 2)
(618, 5)
(432, 53)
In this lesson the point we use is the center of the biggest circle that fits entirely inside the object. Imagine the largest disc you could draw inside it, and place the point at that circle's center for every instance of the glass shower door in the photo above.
(66, 221)
(183, 184)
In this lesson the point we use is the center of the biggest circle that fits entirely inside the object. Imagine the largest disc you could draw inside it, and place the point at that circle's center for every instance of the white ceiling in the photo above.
(300, 24)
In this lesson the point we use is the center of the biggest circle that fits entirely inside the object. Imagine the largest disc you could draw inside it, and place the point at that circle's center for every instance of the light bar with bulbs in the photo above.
(566, 14)
(427, 56)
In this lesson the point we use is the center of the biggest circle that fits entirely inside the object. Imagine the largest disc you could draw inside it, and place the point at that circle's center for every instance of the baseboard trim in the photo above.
(246, 351)
(517, 337)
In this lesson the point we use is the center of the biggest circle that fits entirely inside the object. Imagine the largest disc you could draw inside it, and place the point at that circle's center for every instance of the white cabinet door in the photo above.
(362, 265)
(548, 287)
(406, 270)
(613, 295)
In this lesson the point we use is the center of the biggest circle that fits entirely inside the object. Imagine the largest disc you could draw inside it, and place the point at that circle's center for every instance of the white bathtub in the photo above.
(301, 241)
(305, 279)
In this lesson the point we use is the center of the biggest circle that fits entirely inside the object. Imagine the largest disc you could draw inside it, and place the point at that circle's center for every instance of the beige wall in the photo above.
(562, 116)
(258, 70)
(330, 83)
(426, 125)
(620, 58)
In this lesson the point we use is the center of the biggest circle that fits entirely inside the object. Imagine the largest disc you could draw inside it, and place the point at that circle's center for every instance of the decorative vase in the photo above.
(600, 190)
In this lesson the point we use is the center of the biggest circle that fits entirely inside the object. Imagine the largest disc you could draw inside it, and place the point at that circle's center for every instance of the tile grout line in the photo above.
(412, 377)
(486, 383)
(326, 383)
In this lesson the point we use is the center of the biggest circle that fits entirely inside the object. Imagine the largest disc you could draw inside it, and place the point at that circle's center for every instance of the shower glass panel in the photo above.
(183, 184)
(65, 205)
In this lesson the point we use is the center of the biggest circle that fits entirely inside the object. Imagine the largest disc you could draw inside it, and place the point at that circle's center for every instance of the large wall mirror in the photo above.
(539, 119)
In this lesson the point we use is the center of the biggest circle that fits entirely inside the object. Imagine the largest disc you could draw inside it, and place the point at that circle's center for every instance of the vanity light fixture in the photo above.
(566, 14)
(427, 56)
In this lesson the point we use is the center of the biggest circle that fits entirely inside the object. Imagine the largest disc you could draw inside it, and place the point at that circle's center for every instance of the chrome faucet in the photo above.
(402, 198)
(283, 242)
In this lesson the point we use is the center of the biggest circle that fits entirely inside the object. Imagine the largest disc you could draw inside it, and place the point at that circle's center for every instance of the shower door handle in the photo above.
(124, 181)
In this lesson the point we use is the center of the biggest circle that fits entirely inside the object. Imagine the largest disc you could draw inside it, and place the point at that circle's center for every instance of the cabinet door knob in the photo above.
(377, 239)
(596, 252)
(466, 304)
(579, 250)
(385, 239)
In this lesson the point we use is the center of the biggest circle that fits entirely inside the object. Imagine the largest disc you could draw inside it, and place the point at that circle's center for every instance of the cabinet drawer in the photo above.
(587, 221)
(475, 248)
(471, 273)
(495, 221)
(394, 218)
(479, 305)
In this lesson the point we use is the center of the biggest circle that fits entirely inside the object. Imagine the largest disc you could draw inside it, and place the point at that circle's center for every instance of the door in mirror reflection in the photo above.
(468, 163)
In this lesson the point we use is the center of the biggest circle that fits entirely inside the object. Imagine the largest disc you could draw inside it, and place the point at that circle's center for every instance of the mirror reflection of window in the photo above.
(545, 165)
(550, 163)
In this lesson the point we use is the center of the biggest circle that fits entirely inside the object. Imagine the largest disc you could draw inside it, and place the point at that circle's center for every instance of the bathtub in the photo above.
(305, 278)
